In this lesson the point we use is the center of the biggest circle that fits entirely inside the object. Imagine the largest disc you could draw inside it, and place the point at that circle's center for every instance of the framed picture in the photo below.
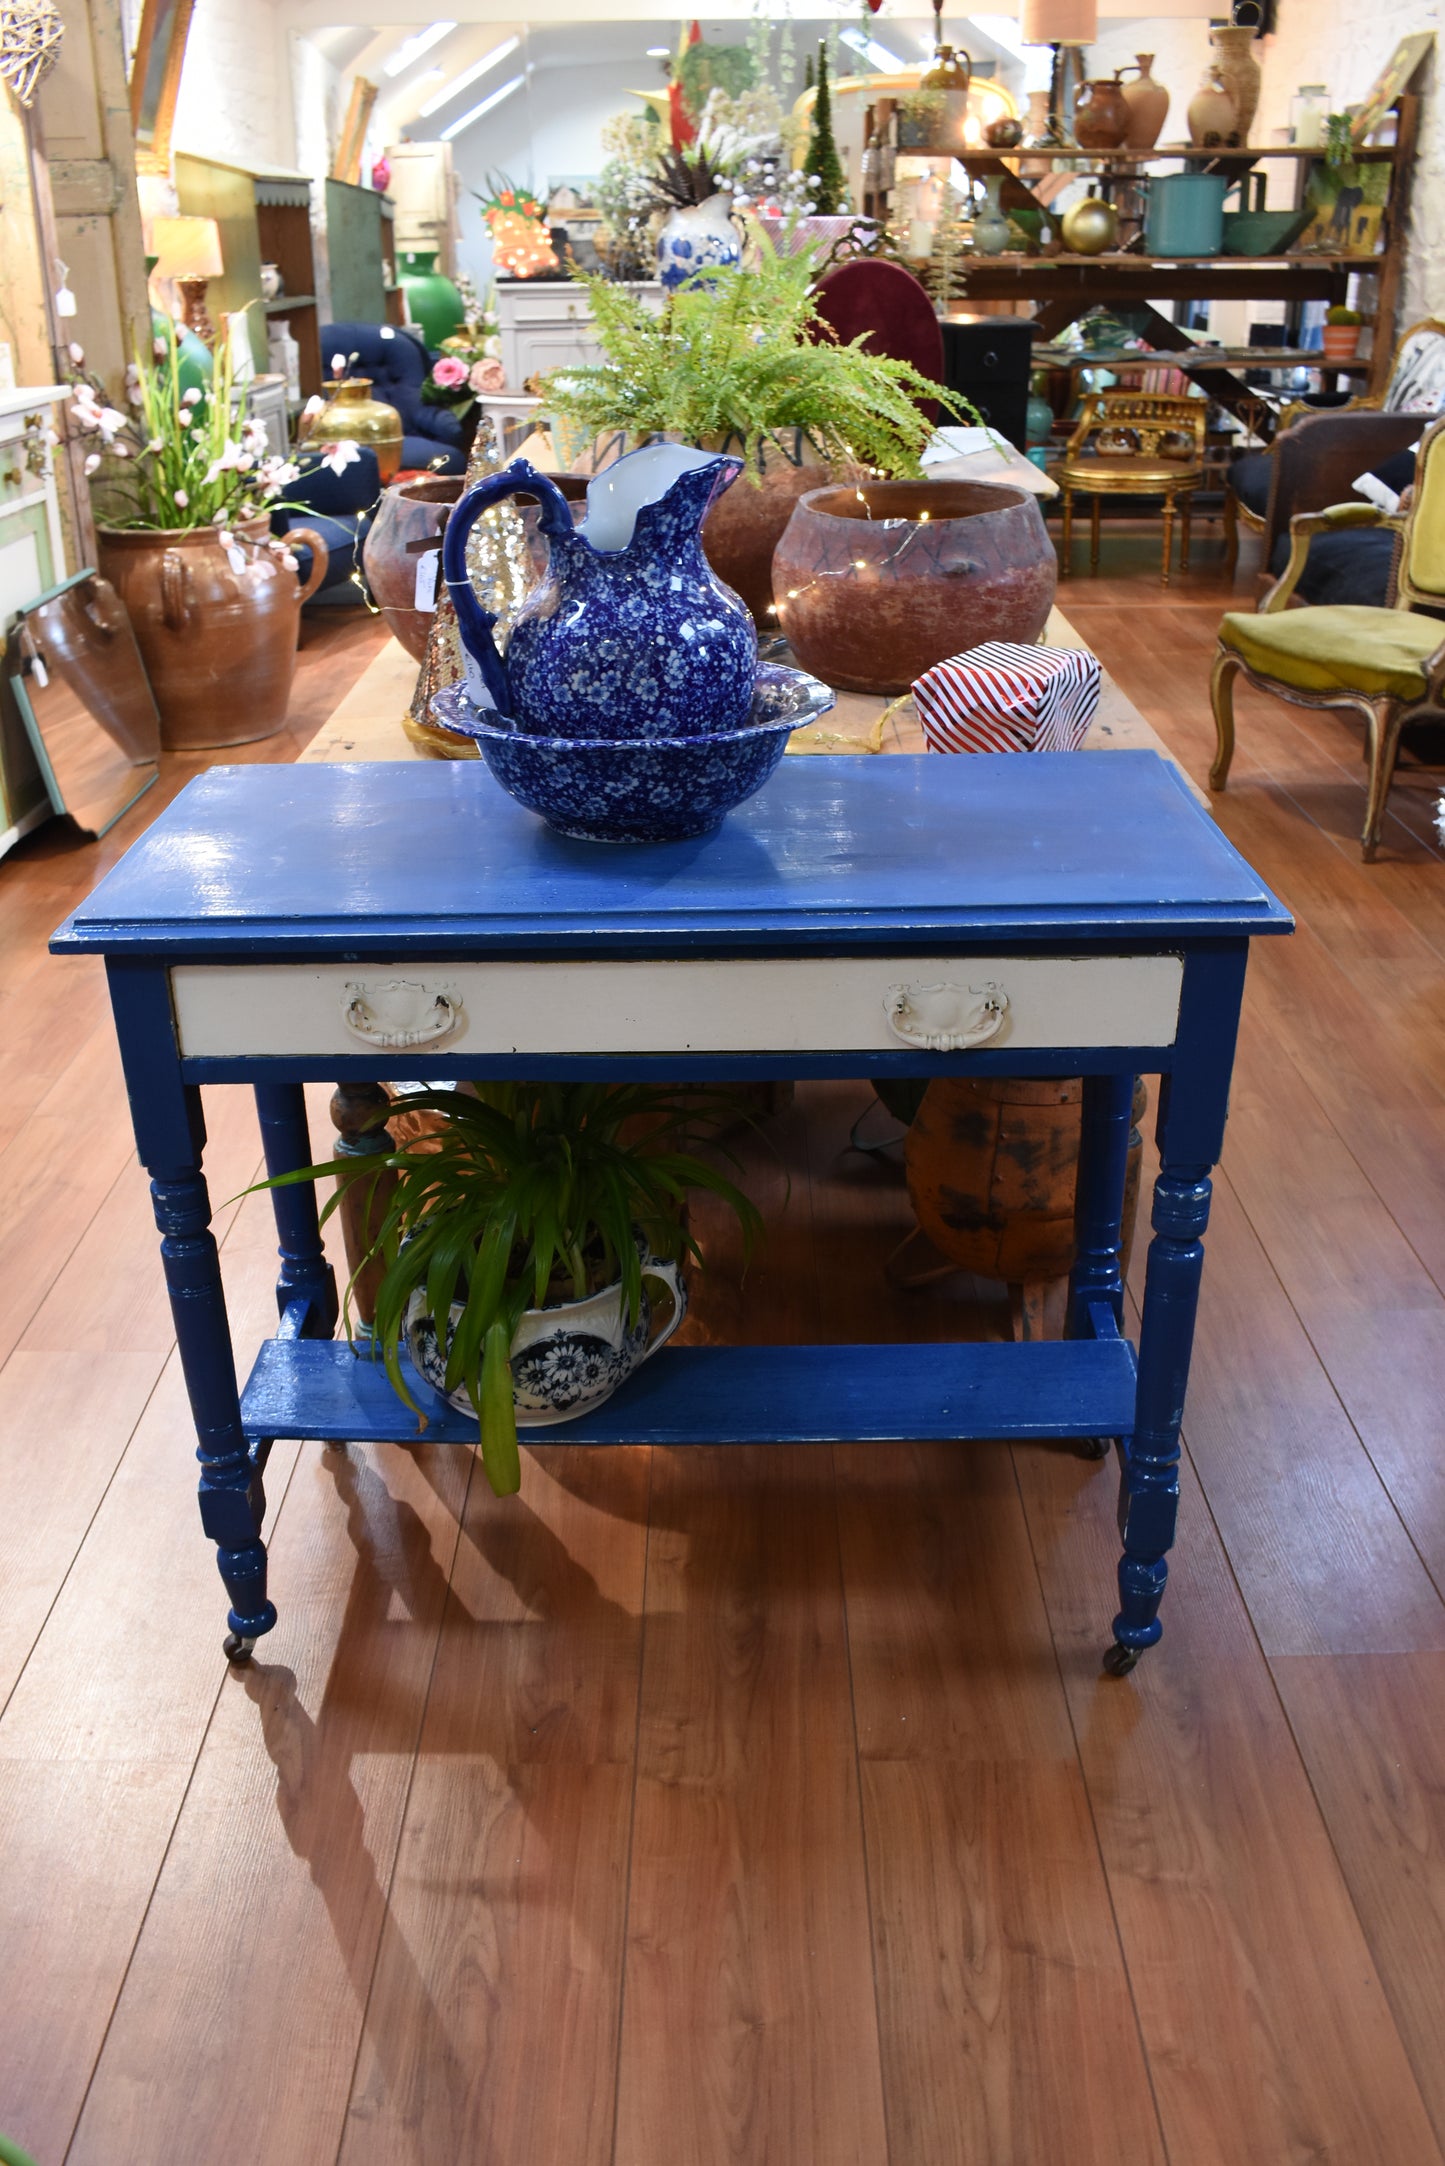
(155, 80)
(1405, 59)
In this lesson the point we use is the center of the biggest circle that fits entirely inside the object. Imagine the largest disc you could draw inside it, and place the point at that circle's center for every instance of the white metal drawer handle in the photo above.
(945, 1018)
(400, 1012)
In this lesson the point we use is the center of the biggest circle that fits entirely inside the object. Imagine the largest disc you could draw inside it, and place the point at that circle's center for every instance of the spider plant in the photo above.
(531, 1194)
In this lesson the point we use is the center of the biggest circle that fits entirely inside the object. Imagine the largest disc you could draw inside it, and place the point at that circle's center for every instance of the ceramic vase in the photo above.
(353, 416)
(1238, 71)
(697, 238)
(870, 593)
(566, 1358)
(990, 225)
(747, 522)
(218, 638)
(1338, 341)
(433, 300)
(1213, 121)
(1101, 115)
(1148, 103)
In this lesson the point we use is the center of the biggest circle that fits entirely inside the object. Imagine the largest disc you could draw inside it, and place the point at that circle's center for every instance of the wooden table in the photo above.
(366, 724)
(910, 916)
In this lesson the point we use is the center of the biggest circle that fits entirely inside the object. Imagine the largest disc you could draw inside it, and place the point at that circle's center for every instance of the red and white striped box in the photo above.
(1002, 698)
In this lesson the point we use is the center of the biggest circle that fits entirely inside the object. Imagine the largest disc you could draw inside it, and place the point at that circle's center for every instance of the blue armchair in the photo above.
(398, 365)
(335, 504)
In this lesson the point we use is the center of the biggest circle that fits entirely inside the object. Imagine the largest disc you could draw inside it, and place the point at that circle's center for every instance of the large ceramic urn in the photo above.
(747, 522)
(874, 584)
(217, 624)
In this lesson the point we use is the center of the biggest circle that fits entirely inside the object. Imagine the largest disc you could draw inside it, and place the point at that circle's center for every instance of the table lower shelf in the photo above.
(321, 1388)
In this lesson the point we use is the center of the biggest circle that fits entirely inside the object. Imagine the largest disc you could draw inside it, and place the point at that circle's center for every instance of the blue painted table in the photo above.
(1041, 916)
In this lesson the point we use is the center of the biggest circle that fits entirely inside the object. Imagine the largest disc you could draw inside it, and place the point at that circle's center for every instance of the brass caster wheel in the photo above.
(235, 1648)
(1119, 1660)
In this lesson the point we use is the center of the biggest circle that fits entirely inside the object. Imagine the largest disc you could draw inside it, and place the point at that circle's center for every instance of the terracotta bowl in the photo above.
(875, 584)
(409, 522)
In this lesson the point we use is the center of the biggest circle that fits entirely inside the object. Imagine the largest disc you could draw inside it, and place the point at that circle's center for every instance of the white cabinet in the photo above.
(548, 325)
(32, 559)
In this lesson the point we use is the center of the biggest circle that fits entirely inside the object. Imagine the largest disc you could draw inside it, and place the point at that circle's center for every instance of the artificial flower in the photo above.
(487, 376)
(449, 373)
(339, 456)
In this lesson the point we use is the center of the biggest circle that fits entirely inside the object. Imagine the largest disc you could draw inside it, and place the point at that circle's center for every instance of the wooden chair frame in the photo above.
(1384, 715)
(1237, 514)
(1151, 417)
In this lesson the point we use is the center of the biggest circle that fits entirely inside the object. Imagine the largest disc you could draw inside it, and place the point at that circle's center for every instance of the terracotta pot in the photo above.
(1148, 102)
(1338, 341)
(748, 520)
(410, 520)
(1101, 117)
(1213, 121)
(870, 593)
(992, 1164)
(219, 645)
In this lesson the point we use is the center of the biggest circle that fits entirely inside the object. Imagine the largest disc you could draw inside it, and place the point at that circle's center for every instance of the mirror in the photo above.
(155, 80)
(85, 700)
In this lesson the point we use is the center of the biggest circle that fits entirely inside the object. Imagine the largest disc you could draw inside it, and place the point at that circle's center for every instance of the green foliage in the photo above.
(1341, 315)
(530, 1196)
(705, 68)
(822, 161)
(178, 456)
(739, 360)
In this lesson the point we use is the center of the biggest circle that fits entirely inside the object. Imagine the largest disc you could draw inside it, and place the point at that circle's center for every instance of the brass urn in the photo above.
(1090, 227)
(353, 416)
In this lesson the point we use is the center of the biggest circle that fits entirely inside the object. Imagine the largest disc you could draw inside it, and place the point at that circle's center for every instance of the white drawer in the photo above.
(867, 1004)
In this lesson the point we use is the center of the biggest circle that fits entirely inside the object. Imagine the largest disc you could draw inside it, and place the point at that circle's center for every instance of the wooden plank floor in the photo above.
(758, 1807)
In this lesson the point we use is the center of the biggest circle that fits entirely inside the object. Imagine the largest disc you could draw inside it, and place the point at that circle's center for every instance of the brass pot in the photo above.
(1090, 227)
(354, 417)
(219, 644)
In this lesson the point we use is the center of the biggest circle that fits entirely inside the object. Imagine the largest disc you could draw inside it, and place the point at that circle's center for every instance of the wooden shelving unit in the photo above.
(1062, 286)
(283, 223)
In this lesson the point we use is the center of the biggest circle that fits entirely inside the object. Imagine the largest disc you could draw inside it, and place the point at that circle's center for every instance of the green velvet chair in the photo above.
(1386, 665)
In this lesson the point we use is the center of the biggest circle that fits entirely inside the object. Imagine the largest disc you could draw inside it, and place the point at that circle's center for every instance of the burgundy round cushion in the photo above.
(882, 302)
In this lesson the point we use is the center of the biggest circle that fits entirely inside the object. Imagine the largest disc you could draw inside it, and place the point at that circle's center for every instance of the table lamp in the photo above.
(1067, 26)
(189, 251)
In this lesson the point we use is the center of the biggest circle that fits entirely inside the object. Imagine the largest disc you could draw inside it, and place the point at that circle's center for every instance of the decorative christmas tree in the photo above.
(946, 272)
(822, 162)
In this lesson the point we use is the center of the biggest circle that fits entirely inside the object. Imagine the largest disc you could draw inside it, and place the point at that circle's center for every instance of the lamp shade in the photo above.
(1058, 22)
(187, 248)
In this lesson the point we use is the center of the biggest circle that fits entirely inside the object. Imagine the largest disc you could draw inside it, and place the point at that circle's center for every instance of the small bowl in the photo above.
(642, 789)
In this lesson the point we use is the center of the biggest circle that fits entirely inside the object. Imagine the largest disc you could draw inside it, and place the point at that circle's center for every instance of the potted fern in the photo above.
(520, 1240)
(748, 365)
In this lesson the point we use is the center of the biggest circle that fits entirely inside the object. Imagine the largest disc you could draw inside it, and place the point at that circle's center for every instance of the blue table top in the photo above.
(433, 857)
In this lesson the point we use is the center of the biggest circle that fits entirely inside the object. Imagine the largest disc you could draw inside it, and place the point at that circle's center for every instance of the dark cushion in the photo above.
(339, 536)
(1249, 478)
(431, 452)
(1397, 473)
(320, 489)
(398, 365)
(1351, 567)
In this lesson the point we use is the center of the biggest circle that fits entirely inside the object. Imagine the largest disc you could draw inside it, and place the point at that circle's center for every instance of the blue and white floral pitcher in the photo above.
(630, 633)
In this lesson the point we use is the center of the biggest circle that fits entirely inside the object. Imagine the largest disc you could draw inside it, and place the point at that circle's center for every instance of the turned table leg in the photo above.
(305, 1274)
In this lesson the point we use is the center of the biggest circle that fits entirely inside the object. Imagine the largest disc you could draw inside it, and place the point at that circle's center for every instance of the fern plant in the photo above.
(740, 359)
(529, 1196)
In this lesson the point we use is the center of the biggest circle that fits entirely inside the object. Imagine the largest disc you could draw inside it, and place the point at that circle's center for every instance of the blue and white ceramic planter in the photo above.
(630, 632)
(566, 1358)
(627, 790)
(697, 238)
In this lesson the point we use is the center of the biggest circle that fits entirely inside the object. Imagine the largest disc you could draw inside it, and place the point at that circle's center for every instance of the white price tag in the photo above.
(428, 570)
(39, 672)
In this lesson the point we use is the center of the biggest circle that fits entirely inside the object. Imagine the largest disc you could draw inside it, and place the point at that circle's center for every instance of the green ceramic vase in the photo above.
(431, 297)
